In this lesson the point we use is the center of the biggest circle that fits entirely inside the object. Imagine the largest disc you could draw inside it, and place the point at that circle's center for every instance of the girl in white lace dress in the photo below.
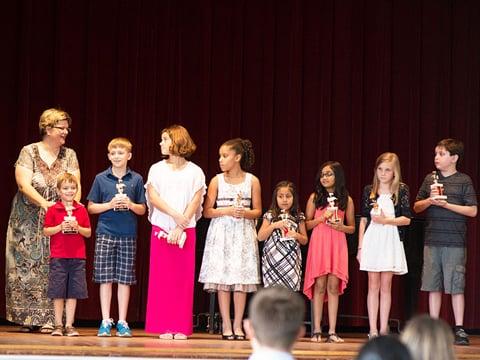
(385, 213)
(230, 259)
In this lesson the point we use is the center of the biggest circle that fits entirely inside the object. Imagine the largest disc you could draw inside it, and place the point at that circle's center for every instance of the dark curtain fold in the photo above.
(307, 81)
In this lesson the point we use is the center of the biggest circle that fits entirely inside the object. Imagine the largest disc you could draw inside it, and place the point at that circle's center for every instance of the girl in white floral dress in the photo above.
(230, 259)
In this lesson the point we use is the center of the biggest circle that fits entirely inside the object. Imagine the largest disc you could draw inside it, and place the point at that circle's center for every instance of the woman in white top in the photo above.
(175, 189)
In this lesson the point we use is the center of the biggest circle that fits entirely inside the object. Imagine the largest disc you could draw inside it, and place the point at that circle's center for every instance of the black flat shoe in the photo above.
(26, 329)
(228, 337)
(239, 336)
(316, 336)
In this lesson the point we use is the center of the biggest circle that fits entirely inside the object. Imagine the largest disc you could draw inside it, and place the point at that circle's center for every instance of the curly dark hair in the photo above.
(243, 147)
(341, 192)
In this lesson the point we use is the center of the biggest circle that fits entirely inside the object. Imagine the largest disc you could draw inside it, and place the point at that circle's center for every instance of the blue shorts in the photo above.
(67, 279)
(114, 260)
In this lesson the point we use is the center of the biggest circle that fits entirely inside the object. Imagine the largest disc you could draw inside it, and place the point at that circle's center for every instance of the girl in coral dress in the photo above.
(330, 213)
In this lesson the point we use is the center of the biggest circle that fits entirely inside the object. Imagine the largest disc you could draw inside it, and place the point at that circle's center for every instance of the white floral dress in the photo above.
(231, 258)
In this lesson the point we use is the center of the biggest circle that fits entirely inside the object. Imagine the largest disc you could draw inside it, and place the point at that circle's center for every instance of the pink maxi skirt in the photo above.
(170, 285)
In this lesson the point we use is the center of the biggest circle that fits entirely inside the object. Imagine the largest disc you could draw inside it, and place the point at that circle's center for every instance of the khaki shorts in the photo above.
(444, 269)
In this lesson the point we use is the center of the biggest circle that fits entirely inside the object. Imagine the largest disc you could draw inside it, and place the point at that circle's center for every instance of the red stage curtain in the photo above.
(306, 81)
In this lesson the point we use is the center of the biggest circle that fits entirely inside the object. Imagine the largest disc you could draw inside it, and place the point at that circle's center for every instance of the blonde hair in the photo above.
(182, 143)
(66, 178)
(52, 117)
(120, 142)
(397, 175)
(428, 338)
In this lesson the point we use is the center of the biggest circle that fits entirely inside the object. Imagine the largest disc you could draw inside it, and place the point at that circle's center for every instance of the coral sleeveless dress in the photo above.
(327, 254)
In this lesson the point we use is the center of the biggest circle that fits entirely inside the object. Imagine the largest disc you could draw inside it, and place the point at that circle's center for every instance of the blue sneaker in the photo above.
(105, 328)
(123, 330)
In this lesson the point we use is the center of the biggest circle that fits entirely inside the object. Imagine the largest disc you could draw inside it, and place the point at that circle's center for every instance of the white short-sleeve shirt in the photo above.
(177, 188)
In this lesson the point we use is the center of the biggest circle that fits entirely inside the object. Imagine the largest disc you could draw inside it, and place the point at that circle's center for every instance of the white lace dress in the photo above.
(382, 249)
(231, 259)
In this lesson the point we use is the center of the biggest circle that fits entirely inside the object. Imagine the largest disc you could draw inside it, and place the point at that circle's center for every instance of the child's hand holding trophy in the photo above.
(121, 199)
(436, 189)
(69, 224)
(331, 214)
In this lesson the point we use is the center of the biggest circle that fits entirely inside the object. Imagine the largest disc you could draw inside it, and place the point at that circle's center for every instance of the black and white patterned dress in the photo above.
(231, 258)
(281, 258)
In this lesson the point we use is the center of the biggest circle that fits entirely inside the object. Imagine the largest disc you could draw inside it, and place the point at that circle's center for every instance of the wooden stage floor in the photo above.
(199, 346)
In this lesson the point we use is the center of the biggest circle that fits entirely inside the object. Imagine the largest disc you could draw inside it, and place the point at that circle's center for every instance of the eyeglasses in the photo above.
(67, 129)
(327, 174)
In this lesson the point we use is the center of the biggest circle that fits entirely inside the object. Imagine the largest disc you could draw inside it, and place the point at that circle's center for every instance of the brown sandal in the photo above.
(46, 329)
(57, 331)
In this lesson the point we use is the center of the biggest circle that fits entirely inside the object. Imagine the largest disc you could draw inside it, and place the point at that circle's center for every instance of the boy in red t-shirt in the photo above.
(67, 224)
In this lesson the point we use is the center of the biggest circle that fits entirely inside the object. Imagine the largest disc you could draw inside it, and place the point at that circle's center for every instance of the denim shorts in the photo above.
(444, 269)
(67, 279)
(115, 259)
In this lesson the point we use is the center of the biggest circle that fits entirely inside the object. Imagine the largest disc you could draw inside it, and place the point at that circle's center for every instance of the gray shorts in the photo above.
(444, 269)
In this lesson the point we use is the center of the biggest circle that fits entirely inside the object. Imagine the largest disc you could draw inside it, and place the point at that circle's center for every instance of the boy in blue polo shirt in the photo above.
(118, 195)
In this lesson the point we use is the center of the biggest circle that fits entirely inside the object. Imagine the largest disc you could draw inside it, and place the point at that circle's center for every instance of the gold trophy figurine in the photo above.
(237, 202)
(375, 208)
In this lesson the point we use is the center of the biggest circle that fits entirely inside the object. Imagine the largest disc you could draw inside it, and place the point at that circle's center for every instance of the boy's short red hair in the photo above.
(66, 178)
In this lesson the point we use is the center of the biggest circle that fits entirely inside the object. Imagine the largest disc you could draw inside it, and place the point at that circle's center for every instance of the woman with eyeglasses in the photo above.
(27, 249)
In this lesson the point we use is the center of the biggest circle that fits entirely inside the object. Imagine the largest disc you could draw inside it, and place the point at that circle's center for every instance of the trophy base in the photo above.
(67, 232)
(121, 209)
(439, 197)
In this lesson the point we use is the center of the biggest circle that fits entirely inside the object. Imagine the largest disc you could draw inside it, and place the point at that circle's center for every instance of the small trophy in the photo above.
(333, 208)
(290, 225)
(375, 208)
(120, 195)
(437, 187)
(237, 202)
(69, 218)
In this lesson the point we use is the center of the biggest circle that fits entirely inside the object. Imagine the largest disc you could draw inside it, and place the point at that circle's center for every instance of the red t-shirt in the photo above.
(67, 245)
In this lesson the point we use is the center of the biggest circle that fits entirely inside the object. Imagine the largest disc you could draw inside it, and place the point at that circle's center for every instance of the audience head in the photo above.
(428, 338)
(384, 348)
(275, 318)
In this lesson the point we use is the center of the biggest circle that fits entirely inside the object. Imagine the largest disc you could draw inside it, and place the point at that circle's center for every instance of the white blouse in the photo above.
(177, 188)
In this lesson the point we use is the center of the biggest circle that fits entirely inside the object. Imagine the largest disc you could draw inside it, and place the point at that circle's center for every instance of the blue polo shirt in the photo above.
(117, 223)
